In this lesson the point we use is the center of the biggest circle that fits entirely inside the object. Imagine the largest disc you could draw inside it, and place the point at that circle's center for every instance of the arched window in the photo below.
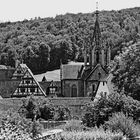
(73, 91)
(93, 88)
(99, 75)
(97, 57)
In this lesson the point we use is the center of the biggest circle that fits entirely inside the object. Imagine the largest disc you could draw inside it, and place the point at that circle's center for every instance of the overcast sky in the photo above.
(13, 10)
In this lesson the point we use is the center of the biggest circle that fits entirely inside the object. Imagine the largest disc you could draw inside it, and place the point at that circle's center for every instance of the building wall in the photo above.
(76, 105)
(91, 87)
(102, 89)
(81, 88)
(67, 87)
(7, 87)
(6, 74)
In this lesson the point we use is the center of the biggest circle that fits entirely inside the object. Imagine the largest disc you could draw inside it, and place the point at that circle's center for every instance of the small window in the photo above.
(99, 75)
(22, 90)
(105, 93)
(27, 81)
(32, 89)
(103, 83)
(19, 71)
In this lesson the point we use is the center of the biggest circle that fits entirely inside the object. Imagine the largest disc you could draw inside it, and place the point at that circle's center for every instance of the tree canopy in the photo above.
(127, 70)
(40, 42)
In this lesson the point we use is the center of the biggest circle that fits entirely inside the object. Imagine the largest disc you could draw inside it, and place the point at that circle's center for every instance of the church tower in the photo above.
(98, 53)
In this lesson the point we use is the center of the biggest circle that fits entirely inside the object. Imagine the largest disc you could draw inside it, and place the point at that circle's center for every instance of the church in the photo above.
(87, 79)
(90, 79)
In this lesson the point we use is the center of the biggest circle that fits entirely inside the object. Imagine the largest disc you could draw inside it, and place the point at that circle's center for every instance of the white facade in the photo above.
(102, 89)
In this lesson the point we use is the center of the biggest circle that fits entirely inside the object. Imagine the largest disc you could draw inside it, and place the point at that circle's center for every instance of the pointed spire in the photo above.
(97, 33)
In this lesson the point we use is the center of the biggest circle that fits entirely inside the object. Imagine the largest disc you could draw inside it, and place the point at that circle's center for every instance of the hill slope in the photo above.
(42, 43)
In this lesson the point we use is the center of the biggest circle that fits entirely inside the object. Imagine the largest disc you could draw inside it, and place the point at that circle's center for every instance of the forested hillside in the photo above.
(43, 42)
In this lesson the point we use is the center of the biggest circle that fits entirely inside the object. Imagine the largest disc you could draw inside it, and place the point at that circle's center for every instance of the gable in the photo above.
(102, 89)
(19, 73)
(28, 86)
(97, 73)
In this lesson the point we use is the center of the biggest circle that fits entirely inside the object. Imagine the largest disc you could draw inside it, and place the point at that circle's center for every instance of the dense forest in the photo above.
(43, 43)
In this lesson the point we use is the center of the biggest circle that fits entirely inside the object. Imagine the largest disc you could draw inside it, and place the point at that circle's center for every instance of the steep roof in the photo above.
(98, 65)
(49, 75)
(28, 75)
(70, 71)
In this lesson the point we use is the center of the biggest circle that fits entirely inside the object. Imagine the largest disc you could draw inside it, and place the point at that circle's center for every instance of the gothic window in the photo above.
(99, 75)
(93, 88)
(74, 91)
(97, 57)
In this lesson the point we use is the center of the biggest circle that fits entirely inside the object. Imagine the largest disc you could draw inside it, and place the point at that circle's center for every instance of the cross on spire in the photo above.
(97, 6)
(97, 33)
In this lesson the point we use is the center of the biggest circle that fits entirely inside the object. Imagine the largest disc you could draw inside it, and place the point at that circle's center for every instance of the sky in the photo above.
(18, 10)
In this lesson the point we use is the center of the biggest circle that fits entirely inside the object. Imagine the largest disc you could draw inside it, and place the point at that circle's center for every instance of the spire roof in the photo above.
(97, 33)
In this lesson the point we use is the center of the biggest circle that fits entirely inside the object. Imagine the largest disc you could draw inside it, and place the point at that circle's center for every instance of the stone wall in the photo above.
(74, 104)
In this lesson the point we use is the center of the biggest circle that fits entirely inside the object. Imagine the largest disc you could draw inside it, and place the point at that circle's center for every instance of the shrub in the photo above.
(12, 127)
(121, 123)
(61, 113)
(98, 112)
(74, 125)
(46, 112)
(40, 108)
(90, 135)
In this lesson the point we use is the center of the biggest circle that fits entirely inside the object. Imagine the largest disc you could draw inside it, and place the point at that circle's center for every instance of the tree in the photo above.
(98, 112)
(44, 57)
(32, 108)
(3, 59)
(127, 71)
(12, 126)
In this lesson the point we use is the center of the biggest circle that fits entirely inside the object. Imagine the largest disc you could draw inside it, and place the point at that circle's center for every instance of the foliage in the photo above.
(126, 72)
(36, 129)
(96, 134)
(47, 112)
(121, 123)
(61, 113)
(12, 127)
(74, 125)
(46, 39)
(41, 108)
(32, 108)
(98, 112)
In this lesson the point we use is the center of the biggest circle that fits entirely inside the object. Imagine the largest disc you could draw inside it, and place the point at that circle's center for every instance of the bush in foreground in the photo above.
(74, 125)
(124, 124)
(14, 127)
(90, 135)
(100, 111)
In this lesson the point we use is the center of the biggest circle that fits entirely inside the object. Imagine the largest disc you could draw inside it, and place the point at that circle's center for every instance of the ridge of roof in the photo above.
(70, 71)
(95, 69)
